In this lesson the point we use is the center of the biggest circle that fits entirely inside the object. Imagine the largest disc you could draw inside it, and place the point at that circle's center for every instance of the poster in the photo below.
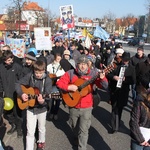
(17, 46)
(43, 38)
(66, 14)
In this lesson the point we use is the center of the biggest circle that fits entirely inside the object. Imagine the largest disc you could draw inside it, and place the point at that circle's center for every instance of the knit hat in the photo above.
(30, 55)
(82, 59)
(119, 50)
(126, 56)
(66, 52)
(90, 59)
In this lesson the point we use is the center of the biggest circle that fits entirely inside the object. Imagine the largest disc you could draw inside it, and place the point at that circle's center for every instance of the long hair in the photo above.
(145, 97)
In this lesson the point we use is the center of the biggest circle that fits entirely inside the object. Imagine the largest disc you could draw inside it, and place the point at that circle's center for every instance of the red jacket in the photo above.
(69, 78)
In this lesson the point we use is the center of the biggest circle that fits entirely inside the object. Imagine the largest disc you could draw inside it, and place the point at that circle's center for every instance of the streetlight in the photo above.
(48, 13)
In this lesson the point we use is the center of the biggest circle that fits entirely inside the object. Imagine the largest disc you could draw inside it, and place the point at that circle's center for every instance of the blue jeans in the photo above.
(136, 146)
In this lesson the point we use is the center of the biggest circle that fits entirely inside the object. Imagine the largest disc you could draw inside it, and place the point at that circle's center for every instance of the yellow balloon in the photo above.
(8, 103)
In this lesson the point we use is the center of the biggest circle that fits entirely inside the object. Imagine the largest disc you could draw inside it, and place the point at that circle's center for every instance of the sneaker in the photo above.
(41, 146)
(51, 116)
(55, 117)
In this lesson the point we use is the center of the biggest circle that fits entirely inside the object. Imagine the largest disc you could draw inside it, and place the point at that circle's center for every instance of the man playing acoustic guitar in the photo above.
(80, 108)
(38, 79)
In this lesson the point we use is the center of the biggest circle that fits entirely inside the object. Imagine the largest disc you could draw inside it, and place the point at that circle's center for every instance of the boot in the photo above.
(12, 130)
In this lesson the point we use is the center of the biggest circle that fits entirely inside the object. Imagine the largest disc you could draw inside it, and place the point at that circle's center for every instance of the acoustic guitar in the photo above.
(84, 88)
(32, 93)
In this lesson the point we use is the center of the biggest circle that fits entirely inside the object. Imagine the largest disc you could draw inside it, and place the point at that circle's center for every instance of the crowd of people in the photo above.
(84, 75)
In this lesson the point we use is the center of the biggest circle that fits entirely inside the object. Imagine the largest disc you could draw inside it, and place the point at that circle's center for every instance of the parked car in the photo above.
(1, 42)
(136, 42)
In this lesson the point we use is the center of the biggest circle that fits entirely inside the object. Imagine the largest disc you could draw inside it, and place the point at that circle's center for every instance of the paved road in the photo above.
(133, 49)
(59, 135)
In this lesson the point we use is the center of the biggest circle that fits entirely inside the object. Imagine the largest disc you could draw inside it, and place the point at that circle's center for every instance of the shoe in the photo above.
(41, 146)
(51, 116)
(75, 141)
(2, 125)
(19, 133)
(12, 130)
(55, 117)
(114, 131)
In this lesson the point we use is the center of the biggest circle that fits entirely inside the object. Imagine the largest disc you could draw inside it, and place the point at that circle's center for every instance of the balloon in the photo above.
(34, 50)
(8, 103)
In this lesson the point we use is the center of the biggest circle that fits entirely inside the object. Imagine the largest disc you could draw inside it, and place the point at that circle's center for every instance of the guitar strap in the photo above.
(54, 72)
(43, 83)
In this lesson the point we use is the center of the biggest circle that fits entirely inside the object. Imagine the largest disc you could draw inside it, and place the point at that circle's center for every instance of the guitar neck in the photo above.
(53, 95)
(106, 70)
(88, 82)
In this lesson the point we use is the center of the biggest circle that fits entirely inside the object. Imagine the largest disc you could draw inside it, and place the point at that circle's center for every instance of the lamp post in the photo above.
(148, 27)
(48, 14)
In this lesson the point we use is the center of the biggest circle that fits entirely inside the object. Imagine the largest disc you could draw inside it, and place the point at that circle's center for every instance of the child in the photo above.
(28, 64)
(55, 69)
(10, 72)
(39, 79)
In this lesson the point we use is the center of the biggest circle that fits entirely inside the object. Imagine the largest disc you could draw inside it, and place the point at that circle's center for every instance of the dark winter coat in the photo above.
(57, 50)
(8, 77)
(135, 59)
(120, 95)
(145, 80)
(141, 69)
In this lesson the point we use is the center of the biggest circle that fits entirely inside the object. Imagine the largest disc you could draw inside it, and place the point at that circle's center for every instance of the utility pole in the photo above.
(148, 26)
(48, 14)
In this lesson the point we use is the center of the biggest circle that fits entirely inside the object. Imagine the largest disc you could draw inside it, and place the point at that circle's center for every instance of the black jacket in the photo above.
(121, 94)
(135, 59)
(8, 77)
(145, 80)
(142, 69)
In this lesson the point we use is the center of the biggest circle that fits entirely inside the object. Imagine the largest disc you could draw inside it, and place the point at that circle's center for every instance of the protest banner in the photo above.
(43, 38)
(67, 19)
(17, 46)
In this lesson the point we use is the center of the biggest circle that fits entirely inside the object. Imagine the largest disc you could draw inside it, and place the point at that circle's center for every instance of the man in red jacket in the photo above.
(80, 114)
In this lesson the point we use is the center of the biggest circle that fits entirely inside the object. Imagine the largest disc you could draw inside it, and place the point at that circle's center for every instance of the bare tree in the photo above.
(15, 11)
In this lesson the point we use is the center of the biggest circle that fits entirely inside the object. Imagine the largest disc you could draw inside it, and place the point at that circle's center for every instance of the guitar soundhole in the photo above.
(70, 95)
(29, 97)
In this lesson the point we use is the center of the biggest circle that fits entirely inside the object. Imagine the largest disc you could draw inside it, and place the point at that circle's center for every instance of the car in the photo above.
(136, 42)
(1, 42)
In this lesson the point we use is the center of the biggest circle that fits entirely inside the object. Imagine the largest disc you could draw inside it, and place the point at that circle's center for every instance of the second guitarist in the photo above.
(40, 79)
(81, 113)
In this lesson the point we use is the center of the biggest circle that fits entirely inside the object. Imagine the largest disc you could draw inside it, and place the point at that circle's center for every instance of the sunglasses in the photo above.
(68, 12)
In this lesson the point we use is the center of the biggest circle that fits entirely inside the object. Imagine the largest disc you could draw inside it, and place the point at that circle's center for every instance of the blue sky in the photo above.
(93, 8)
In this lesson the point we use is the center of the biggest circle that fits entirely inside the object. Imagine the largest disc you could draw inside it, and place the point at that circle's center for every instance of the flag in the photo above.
(101, 33)
(85, 33)
(87, 42)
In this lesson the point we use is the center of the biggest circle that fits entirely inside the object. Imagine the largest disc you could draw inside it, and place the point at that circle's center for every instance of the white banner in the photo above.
(43, 38)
